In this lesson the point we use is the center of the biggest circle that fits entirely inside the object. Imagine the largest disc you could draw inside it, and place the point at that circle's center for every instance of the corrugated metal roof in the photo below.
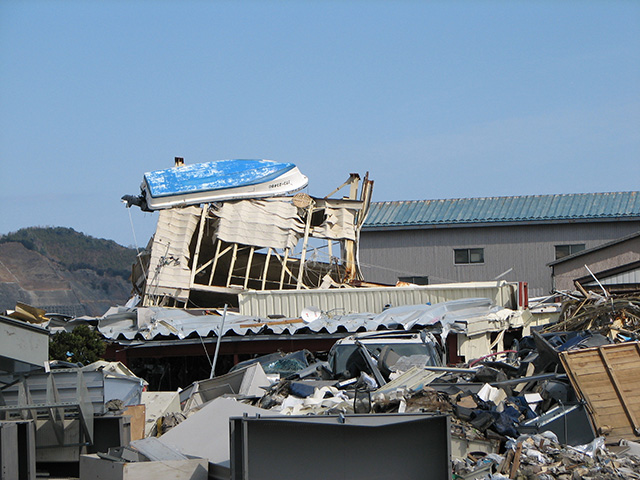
(624, 278)
(531, 208)
(348, 312)
(145, 324)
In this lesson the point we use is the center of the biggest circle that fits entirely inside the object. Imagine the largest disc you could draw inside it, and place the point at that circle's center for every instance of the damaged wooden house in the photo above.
(227, 227)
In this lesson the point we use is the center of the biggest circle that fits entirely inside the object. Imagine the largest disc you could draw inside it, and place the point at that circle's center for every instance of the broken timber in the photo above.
(202, 254)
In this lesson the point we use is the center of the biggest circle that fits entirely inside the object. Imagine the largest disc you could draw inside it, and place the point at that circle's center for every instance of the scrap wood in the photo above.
(275, 322)
(516, 461)
(506, 463)
(29, 314)
(582, 290)
(617, 312)
(598, 376)
(551, 461)
(472, 457)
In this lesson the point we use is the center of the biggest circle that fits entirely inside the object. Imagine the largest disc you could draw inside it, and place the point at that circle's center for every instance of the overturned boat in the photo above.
(216, 181)
(245, 234)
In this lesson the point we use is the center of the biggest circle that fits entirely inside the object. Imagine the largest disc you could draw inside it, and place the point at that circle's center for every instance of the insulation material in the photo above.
(338, 225)
(260, 223)
(169, 271)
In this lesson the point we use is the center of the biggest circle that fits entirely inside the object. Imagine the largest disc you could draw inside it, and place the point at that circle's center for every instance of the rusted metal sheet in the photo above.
(606, 378)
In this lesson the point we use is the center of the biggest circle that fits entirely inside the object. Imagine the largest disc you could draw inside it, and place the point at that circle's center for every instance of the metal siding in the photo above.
(505, 209)
(367, 300)
(386, 255)
(23, 342)
(172, 239)
(622, 278)
(412, 444)
(599, 260)
(66, 383)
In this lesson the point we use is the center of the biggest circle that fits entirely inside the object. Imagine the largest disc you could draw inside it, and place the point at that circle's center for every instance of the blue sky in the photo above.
(434, 99)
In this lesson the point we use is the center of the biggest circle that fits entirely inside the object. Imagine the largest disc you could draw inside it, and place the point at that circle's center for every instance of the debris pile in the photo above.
(554, 404)
(616, 317)
(527, 411)
(542, 457)
(373, 382)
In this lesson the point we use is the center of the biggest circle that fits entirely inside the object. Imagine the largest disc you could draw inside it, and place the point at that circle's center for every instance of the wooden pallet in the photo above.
(607, 379)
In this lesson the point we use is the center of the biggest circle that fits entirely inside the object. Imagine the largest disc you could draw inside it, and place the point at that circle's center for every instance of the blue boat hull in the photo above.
(220, 180)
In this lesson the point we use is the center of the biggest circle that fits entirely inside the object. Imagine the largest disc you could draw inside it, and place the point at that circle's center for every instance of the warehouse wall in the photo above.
(527, 249)
(623, 253)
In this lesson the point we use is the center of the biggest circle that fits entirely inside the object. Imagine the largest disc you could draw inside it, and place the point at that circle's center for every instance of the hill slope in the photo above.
(63, 271)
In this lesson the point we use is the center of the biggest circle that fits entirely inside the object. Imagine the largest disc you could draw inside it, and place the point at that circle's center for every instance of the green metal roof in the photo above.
(492, 210)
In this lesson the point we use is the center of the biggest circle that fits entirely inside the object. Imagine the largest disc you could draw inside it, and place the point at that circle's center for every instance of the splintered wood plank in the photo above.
(234, 257)
(606, 378)
(284, 267)
(196, 256)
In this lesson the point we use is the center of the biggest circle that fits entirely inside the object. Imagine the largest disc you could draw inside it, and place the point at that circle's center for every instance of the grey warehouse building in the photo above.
(478, 239)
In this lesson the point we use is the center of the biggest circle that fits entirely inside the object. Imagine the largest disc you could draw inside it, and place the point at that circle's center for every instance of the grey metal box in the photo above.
(353, 447)
(17, 450)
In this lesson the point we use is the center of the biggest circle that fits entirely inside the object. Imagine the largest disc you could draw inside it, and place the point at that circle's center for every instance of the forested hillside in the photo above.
(74, 250)
(63, 271)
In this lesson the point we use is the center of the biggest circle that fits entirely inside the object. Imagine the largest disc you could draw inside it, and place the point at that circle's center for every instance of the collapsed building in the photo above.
(451, 379)
(206, 254)
(286, 266)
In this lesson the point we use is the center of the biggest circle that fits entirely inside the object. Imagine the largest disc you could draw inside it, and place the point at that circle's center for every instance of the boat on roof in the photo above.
(217, 181)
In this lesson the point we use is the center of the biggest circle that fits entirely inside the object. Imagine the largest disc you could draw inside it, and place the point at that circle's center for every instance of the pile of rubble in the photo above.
(556, 404)
(617, 317)
(510, 416)
(542, 457)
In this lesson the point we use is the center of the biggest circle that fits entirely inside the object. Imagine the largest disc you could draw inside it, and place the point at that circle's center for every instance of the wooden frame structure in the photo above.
(208, 270)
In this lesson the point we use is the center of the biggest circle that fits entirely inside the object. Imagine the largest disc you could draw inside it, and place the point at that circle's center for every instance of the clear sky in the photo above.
(434, 99)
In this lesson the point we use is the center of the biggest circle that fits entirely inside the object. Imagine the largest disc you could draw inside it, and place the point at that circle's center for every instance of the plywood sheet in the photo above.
(138, 420)
(606, 378)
